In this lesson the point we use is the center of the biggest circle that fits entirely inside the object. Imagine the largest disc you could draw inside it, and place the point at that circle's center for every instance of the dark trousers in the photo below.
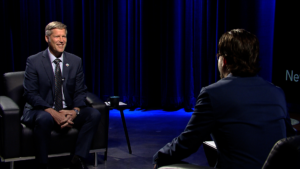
(43, 123)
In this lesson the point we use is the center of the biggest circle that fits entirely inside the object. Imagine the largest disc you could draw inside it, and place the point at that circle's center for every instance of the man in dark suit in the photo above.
(55, 93)
(244, 114)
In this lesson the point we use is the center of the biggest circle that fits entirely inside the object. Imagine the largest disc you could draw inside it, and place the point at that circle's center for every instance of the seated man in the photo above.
(55, 94)
(244, 114)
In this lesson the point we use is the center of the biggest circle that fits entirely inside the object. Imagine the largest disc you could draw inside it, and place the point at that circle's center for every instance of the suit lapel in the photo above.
(66, 69)
(48, 69)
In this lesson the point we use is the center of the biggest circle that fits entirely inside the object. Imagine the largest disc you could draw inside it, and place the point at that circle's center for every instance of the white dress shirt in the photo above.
(52, 58)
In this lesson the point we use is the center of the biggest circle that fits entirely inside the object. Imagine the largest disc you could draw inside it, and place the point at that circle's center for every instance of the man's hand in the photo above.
(58, 117)
(70, 115)
(64, 118)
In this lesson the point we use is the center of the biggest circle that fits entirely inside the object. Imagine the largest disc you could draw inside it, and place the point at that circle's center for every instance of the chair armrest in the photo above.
(211, 152)
(9, 128)
(101, 135)
(93, 101)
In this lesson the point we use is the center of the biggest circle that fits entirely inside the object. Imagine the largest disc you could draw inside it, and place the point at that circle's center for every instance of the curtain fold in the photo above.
(153, 54)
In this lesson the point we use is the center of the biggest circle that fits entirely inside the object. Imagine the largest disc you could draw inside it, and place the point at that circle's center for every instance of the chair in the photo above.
(184, 166)
(16, 140)
(284, 154)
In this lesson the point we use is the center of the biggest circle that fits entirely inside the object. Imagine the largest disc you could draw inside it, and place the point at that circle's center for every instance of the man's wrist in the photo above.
(77, 111)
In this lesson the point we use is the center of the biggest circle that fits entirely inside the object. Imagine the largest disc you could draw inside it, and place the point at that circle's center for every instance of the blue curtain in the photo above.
(153, 54)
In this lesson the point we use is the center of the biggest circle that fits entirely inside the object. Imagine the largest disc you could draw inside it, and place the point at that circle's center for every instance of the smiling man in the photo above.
(57, 41)
(55, 93)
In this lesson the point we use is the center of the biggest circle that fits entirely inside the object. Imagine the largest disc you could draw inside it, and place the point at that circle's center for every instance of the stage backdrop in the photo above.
(153, 54)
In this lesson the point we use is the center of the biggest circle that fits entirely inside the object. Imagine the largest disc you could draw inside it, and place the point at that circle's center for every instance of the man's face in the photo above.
(57, 41)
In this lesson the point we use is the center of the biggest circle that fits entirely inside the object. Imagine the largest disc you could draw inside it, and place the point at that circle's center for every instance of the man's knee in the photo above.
(93, 114)
(44, 119)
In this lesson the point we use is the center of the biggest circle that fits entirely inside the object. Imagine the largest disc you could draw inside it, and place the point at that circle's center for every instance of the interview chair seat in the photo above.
(184, 166)
(60, 142)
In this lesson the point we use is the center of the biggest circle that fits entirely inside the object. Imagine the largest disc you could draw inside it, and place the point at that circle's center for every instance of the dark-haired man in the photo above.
(55, 93)
(244, 114)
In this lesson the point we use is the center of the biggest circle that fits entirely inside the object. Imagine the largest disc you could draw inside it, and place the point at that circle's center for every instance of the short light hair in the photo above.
(54, 25)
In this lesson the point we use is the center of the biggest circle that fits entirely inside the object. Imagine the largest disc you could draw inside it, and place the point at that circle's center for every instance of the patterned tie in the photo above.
(58, 93)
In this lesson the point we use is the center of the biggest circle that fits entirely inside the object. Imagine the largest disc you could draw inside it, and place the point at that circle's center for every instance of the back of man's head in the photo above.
(240, 48)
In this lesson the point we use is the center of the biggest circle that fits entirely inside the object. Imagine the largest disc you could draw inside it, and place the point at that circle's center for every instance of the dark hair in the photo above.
(240, 48)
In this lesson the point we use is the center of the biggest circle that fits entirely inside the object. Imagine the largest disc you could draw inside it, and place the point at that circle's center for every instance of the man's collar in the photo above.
(52, 57)
(231, 75)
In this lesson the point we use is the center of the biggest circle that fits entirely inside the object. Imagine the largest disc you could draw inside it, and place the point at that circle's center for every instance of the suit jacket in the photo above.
(246, 116)
(39, 82)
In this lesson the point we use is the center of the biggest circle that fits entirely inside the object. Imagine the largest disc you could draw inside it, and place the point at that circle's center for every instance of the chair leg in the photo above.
(105, 154)
(96, 159)
(12, 165)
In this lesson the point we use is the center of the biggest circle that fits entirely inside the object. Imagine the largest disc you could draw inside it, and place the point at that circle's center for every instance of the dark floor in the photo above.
(148, 132)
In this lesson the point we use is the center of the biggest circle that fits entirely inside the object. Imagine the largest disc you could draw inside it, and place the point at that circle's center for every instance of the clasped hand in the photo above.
(67, 118)
(64, 118)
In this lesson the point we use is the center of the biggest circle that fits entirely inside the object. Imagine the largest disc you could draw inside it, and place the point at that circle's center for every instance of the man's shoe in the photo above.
(78, 163)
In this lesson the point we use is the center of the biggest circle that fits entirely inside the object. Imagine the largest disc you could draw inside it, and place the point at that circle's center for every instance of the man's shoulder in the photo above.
(45, 53)
(222, 82)
(37, 55)
(72, 58)
(234, 82)
(71, 55)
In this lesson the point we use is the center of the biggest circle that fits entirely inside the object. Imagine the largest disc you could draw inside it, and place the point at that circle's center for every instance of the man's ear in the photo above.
(47, 38)
(224, 62)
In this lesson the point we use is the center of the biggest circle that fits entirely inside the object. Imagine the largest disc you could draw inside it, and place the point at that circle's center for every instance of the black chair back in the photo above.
(13, 83)
(284, 154)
